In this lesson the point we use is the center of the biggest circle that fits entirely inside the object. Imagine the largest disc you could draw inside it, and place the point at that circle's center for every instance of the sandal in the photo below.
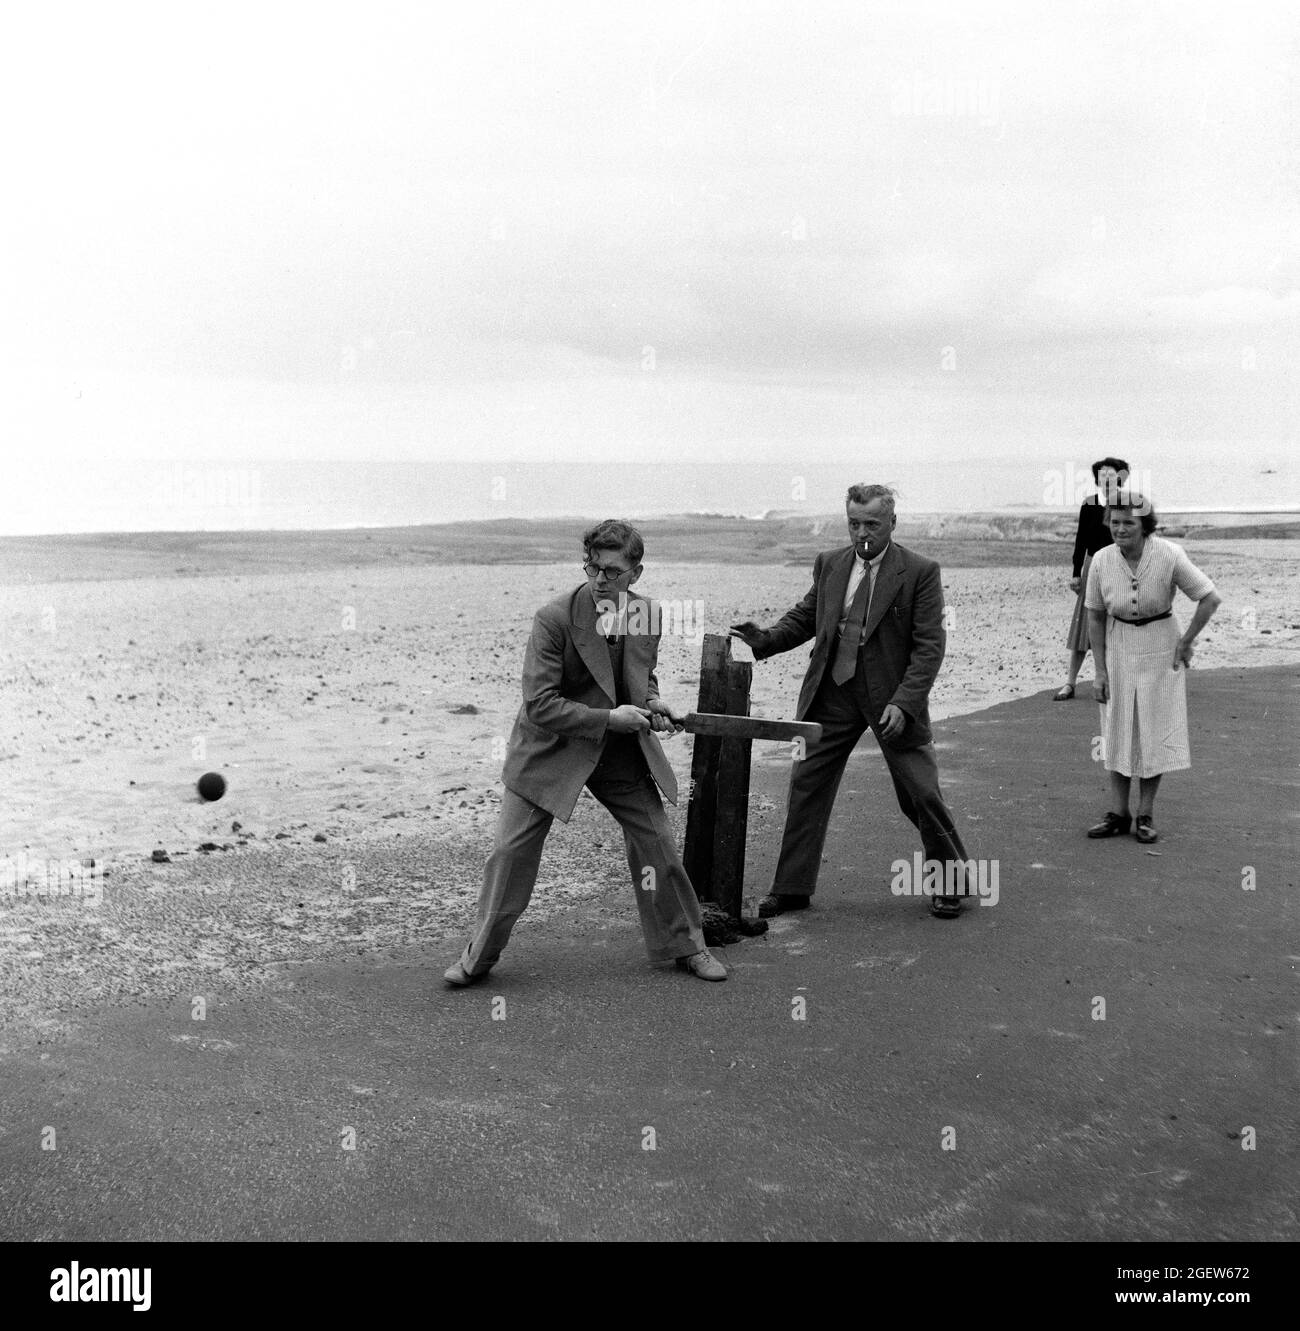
(1064, 693)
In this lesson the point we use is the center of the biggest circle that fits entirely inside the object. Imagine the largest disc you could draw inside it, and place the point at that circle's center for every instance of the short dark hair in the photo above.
(862, 493)
(1117, 464)
(614, 534)
(1132, 502)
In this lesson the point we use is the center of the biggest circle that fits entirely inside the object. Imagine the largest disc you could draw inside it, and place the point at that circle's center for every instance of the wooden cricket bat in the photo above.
(750, 727)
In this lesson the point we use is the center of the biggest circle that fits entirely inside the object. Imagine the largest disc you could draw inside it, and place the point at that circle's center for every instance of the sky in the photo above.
(626, 232)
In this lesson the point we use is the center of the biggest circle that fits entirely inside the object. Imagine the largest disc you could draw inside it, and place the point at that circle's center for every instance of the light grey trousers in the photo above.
(668, 906)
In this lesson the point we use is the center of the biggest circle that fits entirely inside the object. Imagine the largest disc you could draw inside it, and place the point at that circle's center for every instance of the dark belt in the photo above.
(1150, 619)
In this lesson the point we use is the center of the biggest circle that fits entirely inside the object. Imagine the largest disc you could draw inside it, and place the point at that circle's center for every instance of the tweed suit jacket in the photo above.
(903, 639)
(569, 691)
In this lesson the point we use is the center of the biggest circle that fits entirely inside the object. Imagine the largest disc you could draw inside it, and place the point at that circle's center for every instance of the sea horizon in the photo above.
(153, 496)
(1282, 512)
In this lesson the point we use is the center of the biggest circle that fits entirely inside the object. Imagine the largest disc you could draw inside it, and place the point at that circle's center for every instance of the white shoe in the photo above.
(703, 965)
(458, 977)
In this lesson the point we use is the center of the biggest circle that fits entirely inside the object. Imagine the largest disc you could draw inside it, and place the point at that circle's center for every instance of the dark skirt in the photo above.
(1077, 638)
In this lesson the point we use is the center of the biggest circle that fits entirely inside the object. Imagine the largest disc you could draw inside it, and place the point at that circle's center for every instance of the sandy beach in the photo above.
(359, 716)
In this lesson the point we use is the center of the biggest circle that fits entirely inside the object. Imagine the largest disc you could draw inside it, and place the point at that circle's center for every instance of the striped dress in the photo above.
(1144, 725)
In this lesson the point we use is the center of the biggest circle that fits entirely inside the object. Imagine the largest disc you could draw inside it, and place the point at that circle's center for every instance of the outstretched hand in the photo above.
(748, 632)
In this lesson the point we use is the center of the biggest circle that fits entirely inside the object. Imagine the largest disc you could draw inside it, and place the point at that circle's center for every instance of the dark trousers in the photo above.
(816, 779)
(665, 898)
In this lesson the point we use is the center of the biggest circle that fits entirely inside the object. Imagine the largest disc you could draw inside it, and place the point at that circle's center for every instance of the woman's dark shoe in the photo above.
(1064, 693)
(1113, 824)
(1144, 832)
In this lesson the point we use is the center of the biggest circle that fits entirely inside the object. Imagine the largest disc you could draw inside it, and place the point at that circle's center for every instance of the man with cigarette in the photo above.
(875, 611)
(590, 711)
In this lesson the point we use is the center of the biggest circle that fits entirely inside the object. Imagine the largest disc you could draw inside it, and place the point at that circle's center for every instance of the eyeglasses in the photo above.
(591, 569)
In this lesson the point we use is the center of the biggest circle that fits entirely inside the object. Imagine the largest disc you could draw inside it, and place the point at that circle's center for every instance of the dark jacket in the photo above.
(1093, 533)
(903, 638)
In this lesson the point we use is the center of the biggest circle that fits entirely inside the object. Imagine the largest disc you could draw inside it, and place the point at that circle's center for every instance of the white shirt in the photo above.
(858, 572)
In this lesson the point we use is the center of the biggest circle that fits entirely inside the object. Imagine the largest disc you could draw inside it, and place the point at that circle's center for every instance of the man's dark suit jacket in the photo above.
(569, 692)
(904, 636)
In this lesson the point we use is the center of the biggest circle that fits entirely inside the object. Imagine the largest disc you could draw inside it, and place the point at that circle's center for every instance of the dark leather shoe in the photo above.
(1144, 832)
(946, 908)
(1113, 824)
(776, 903)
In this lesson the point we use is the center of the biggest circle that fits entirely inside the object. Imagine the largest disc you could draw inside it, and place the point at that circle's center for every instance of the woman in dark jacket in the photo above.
(1093, 534)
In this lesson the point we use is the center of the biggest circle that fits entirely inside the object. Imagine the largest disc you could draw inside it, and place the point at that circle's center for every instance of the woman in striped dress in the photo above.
(1139, 657)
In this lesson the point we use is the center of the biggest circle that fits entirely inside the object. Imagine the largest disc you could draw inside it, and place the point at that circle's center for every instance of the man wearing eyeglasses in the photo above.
(590, 713)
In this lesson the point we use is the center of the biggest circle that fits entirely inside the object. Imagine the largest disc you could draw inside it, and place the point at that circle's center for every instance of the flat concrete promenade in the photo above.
(980, 1031)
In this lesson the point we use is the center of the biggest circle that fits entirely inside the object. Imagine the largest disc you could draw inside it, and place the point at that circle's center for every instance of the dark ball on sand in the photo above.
(212, 785)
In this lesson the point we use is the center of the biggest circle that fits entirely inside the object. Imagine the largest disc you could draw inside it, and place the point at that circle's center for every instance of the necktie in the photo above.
(846, 654)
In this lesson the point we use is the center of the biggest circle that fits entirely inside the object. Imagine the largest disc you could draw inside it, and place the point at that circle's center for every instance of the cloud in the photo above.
(315, 227)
